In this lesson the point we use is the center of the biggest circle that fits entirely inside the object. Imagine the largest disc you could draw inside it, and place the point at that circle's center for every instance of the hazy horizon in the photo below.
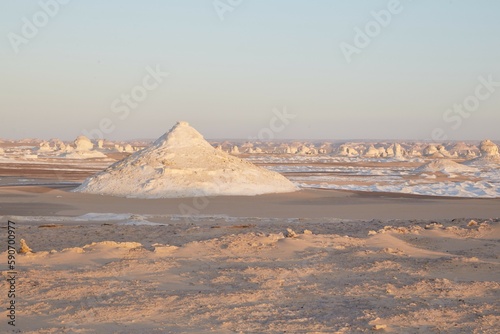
(385, 70)
(243, 140)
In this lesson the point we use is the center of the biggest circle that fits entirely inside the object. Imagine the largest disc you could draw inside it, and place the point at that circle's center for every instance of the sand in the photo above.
(359, 263)
(56, 199)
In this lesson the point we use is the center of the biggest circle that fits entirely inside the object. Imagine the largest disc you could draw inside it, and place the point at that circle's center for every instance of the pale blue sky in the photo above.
(226, 76)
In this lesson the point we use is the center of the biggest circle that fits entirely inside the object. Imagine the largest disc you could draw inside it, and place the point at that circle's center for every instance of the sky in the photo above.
(268, 69)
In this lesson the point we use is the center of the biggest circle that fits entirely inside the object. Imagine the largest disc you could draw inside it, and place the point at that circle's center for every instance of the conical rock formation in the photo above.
(182, 163)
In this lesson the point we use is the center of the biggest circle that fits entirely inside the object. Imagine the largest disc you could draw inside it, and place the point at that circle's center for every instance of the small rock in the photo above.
(290, 233)
(472, 223)
(433, 226)
(379, 327)
(372, 232)
(24, 249)
(307, 232)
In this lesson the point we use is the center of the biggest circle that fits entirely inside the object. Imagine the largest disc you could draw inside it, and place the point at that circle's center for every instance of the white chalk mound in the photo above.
(82, 143)
(182, 163)
(489, 155)
(444, 166)
(488, 148)
(84, 149)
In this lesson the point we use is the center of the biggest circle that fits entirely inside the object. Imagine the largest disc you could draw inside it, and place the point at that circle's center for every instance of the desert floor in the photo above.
(350, 262)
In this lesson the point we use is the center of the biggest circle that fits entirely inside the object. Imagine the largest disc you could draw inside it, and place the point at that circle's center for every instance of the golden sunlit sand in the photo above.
(137, 265)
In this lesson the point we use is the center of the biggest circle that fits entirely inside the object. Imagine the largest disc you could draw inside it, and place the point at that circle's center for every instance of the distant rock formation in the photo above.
(84, 149)
(372, 152)
(489, 155)
(83, 144)
(128, 148)
(399, 151)
(45, 147)
(347, 151)
(430, 150)
(235, 150)
(438, 151)
(488, 149)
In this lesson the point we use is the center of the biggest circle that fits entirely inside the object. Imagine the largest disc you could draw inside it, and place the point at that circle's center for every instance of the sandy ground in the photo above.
(357, 263)
(57, 199)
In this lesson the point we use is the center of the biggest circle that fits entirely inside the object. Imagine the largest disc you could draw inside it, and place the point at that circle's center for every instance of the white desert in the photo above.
(335, 176)
(177, 236)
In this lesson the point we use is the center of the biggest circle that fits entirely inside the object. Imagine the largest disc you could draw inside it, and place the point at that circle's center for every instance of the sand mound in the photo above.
(444, 166)
(182, 163)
